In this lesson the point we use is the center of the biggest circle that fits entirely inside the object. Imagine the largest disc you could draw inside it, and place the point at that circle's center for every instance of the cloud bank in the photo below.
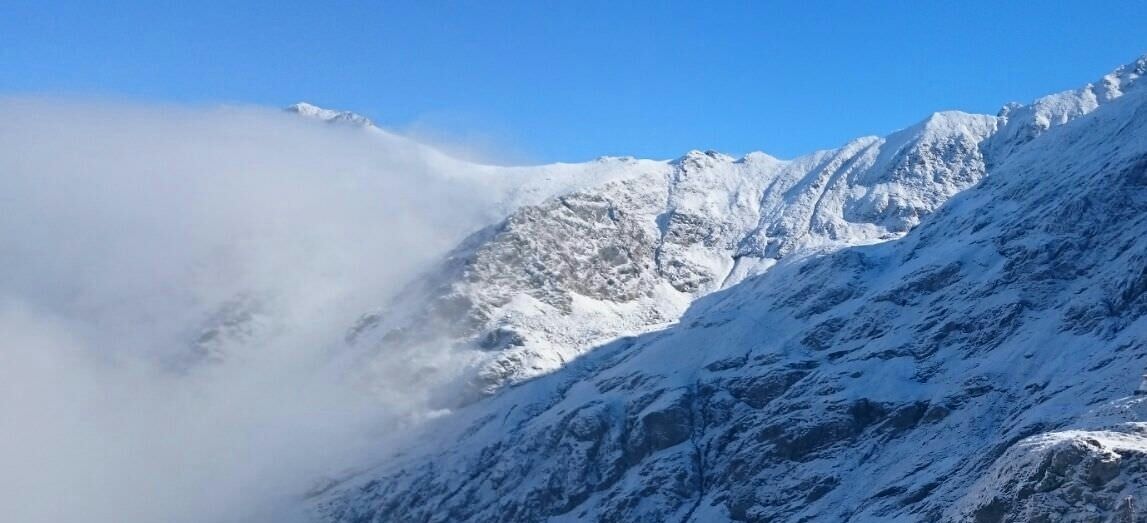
(176, 282)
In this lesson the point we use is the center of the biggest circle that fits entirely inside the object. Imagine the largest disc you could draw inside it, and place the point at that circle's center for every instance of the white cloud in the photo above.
(124, 229)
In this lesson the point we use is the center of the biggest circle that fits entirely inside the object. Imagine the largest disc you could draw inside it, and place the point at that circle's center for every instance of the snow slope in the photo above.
(979, 368)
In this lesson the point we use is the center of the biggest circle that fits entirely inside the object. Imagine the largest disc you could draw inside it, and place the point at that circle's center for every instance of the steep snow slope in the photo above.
(618, 258)
(978, 369)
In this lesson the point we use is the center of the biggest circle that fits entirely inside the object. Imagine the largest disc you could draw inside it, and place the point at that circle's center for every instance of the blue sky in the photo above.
(569, 81)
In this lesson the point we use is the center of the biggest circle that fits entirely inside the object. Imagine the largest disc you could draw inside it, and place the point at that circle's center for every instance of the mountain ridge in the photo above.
(808, 391)
(688, 227)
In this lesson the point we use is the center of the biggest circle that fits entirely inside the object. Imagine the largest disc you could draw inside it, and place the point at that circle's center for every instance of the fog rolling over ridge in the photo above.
(175, 283)
(244, 314)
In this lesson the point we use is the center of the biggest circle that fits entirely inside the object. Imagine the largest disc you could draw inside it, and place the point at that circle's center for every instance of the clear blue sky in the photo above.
(557, 80)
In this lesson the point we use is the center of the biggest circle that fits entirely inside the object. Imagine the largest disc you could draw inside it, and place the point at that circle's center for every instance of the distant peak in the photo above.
(1138, 67)
(696, 159)
(1116, 82)
(1008, 109)
(609, 159)
(760, 157)
(328, 115)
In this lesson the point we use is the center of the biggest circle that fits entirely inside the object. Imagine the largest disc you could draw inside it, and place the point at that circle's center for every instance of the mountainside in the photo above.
(840, 363)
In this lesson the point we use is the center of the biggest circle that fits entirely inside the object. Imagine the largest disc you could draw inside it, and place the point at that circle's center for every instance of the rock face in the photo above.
(975, 368)
(1070, 476)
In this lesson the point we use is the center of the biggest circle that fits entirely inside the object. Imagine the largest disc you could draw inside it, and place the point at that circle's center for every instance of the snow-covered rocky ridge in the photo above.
(976, 369)
(519, 299)
(553, 279)
(327, 115)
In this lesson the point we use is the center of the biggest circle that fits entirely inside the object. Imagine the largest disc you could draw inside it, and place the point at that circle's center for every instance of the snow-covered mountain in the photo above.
(943, 324)
(327, 115)
(556, 278)
(654, 236)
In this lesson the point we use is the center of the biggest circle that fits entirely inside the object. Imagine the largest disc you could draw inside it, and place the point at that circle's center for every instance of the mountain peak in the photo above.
(328, 115)
(696, 159)
(1118, 81)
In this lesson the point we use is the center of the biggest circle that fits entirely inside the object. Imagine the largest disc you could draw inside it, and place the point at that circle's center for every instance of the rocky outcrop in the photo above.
(1069, 476)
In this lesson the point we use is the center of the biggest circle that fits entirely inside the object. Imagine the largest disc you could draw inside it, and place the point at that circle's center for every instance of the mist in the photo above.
(176, 284)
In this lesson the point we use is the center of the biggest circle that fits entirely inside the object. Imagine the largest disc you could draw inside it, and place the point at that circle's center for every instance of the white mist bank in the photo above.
(124, 229)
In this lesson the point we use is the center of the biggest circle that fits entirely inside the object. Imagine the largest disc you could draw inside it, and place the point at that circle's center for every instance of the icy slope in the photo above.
(909, 380)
